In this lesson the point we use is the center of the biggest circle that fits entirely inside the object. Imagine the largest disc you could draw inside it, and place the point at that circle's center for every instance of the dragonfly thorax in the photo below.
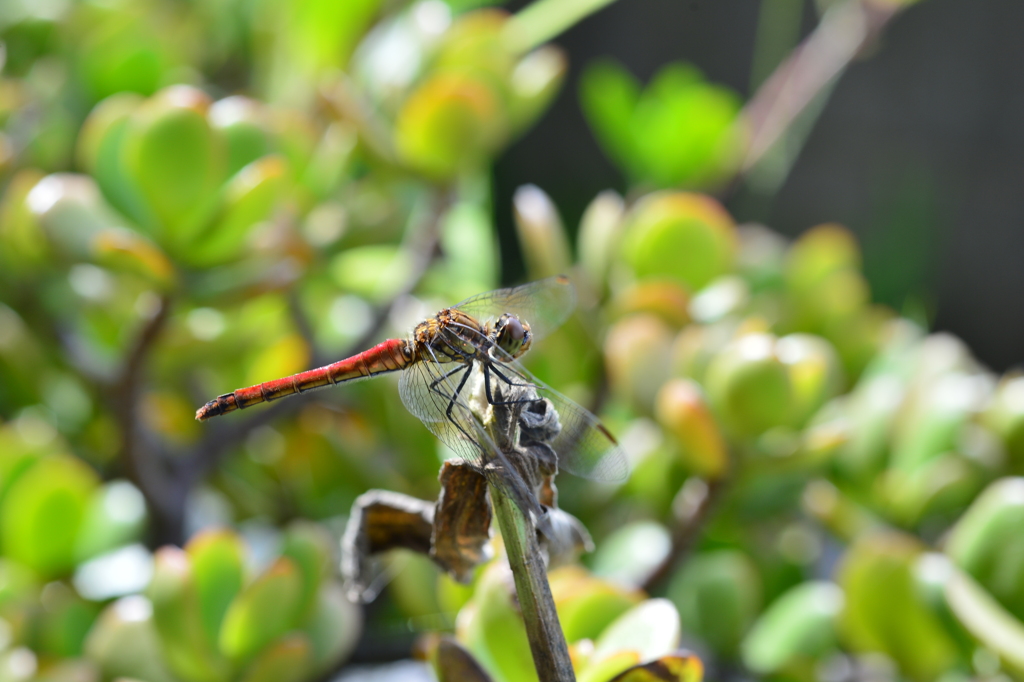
(454, 336)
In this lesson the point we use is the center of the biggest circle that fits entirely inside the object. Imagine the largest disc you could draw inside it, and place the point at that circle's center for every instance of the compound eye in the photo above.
(514, 328)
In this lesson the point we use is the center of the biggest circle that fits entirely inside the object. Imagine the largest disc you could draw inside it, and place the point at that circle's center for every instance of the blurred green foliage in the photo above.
(198, 196)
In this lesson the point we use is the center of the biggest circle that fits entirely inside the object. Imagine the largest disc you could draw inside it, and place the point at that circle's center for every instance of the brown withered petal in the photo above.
(681, 666)
(548, 493)
(381, 520)
(455, 664)
(462, 520)
(566, 539)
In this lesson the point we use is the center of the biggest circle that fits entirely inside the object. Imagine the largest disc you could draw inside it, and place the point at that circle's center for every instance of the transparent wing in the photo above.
(436, 393)
(426, 389)
(584, 446)
(544, 304)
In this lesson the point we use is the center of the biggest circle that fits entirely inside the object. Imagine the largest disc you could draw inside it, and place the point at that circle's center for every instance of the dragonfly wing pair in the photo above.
(544, 304)
(437, 394)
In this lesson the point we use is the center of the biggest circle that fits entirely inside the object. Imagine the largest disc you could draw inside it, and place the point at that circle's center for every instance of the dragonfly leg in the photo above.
(435, 382)
(453, 397)
(509, 381)
(490, 396)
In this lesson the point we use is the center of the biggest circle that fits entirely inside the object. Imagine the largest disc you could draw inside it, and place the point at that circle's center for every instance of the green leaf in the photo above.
(718, 595)
(286, 660)
(23, 244)
(471, 253)
(243, 123)
(683, 236)
(124, 642)
(542, 237)
(608, 95)
(333, 627)
(121, 51)
(683, 128)
(249, 198)
(320, 34)
(491, 627)
(680, 667)
(100, 151)
(799, 624)
(262, 612)
(884, 610)
(988, 542)
(61, 627)
(311, 547)
(637, 350)
(749, 386)
(218, 570)
(116, 516)
(632, 552)
(986, 620)
(71, 212)
(587, 605)
(179, 620)
(651, 629)
(534, 83)
(375, 272)
(177, 160)
(599, 233)
(449, 125)
(17, 583)
(42, 513)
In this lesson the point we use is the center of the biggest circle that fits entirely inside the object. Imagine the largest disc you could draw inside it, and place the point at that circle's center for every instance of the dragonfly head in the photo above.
(512, 335)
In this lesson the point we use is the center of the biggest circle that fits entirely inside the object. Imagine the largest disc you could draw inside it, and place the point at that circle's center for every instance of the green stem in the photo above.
(547, 641)
(545, 19)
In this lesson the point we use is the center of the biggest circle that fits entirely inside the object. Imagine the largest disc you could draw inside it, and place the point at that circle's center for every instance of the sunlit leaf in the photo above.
(311, 547)
(286, 660)
(218, 571)
(333, 627)
(43, 511)
(608, 95)
(688, 237)
(988, 542)
(177, 160)
(718, 595)
(262, 612)
(125, 643)
(799, 624)
(877, 576)
(681, 667)
(178, 618)
(116, 516)
(587, 605)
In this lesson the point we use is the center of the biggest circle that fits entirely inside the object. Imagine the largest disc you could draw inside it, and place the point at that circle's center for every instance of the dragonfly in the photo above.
(483, 337)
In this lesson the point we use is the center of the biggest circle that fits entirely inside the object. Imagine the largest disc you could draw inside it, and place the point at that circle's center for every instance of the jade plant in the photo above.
(208, 614)
(200, 196)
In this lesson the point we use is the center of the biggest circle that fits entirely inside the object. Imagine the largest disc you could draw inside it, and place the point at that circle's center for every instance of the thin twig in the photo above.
(138, 447)
(843, 33)
(547, 641)
(696, 502)
(512, 474)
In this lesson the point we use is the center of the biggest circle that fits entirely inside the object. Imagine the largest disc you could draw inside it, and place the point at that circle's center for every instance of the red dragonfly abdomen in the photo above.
(388, 356)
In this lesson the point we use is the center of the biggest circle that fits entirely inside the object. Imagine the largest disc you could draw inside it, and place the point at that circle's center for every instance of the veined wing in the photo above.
(544, 304)
(584, 446)
(436, 394)
(427, 389)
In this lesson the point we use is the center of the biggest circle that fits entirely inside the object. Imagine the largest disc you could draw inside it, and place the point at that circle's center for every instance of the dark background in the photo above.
(920, 150)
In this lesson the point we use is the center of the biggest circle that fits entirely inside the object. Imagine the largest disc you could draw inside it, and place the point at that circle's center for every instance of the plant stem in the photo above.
(547, 641)
(784, 105)
(687, 531)
(545, 19)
